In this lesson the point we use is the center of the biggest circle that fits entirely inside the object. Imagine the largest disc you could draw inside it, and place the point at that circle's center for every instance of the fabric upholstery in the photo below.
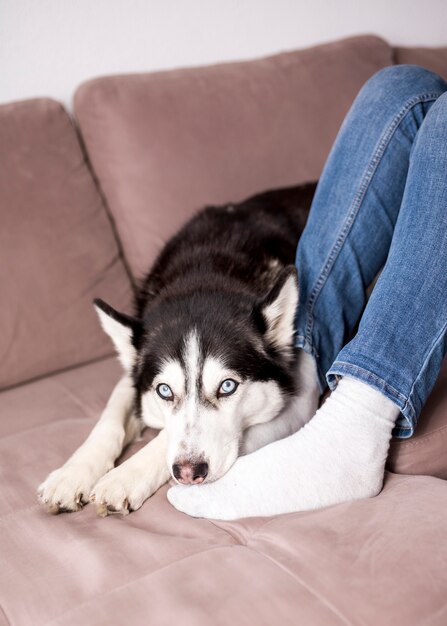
(434, 59)
(426, 451)
(58, 250)
(162, 145)
(377, 561)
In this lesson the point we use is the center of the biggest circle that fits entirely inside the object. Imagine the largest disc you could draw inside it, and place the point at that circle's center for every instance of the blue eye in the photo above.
(227, 387)
(165, 392)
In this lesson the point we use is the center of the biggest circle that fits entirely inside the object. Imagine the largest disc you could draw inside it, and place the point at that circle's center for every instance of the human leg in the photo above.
(401, 340)
(356, 206)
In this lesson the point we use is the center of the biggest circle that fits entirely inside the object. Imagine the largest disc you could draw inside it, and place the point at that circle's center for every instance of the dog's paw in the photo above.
(121, 490)
(67, 488)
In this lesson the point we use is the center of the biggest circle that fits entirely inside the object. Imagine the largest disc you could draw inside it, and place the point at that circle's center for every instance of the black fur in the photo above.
(216, 275)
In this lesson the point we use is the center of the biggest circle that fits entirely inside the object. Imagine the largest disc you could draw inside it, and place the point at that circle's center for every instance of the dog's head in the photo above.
(206, 366)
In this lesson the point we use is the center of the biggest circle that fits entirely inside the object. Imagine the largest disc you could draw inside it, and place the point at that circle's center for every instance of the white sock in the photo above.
(338, 456)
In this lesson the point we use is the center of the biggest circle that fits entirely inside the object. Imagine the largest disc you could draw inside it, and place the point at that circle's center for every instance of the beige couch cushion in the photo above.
(162, 145)
(58, 250)
(434, 59)
(426, 451)
(370, 562)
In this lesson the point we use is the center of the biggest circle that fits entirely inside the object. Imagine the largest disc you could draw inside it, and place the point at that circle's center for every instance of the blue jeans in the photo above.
(381, 204)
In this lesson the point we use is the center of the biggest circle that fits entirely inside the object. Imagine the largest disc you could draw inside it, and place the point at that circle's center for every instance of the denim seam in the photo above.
(439, 337)
(301, 342)
(403, 430)
(356, 204)
(371, 376)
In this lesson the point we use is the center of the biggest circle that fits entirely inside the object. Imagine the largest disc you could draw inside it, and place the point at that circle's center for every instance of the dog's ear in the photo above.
(278, 309)
(123, 330)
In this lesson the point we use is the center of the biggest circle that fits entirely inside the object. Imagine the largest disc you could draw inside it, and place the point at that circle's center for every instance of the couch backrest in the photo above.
(163, 145)
(58, 250)
(434, 59)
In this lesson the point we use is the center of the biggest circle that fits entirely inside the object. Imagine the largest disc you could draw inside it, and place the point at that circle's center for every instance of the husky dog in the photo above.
(208, 359)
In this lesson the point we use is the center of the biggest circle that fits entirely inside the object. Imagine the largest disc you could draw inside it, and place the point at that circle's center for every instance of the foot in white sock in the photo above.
(338, 456)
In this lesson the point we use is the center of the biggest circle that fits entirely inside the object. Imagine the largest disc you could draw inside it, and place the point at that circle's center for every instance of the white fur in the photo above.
(280, 314)
(294, 415)
(172, 374)
(122, 339)
(214, 372)
(192, 356)
(338, 456)
(154, 409)
(127, 486)
(68, 487)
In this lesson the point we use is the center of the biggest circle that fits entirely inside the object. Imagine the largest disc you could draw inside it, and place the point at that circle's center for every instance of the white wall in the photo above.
(48, 47)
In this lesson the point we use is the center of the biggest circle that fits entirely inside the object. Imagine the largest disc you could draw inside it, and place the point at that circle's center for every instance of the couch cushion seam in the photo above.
(300, 581)
(272, 520)
(237, 542)
(3, 613)
(31, 429)
(131, 582)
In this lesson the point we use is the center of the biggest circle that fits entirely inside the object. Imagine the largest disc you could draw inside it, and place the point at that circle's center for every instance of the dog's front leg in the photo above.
(127, 486)
(69, 487)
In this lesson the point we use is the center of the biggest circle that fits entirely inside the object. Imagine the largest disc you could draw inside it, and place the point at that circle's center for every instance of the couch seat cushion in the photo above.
(57, 245)
(377, 561)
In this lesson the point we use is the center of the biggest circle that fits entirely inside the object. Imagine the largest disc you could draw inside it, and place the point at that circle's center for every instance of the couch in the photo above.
(85, 205)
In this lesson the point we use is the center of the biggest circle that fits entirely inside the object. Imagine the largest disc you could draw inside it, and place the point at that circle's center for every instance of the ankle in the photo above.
(361, 397)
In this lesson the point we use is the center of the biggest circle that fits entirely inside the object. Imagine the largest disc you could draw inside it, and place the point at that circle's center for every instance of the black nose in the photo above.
(200, 470)
(190, 473)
